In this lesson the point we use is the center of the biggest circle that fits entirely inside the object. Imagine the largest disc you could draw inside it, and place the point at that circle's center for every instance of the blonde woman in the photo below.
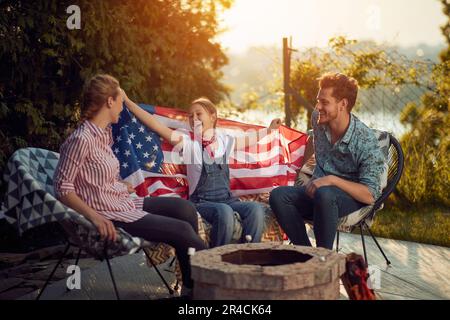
(87, 180)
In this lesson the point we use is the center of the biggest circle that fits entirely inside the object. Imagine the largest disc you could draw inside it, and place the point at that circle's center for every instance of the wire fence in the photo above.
(396, 81)
(380, 105)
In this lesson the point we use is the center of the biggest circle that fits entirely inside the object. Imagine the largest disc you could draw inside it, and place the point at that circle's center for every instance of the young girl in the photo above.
(208, 173)
(86, 179)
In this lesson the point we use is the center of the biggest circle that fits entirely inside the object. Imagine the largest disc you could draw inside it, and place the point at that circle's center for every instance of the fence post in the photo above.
(286, 81)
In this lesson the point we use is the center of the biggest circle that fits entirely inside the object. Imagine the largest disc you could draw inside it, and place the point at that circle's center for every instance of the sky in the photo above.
(312, 22)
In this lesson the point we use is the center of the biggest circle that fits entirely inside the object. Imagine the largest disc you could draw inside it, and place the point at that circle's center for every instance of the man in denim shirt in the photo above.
(349, 167)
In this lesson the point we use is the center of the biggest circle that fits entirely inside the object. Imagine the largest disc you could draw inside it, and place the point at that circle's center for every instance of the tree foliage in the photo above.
(372, 65)
(426, 179)
(162, 52)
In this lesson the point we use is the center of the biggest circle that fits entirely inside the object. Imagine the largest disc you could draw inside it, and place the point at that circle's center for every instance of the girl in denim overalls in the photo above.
(208, 173)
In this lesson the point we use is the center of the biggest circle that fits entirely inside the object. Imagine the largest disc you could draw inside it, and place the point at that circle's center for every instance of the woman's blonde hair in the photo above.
(96, 93)
(208, 106)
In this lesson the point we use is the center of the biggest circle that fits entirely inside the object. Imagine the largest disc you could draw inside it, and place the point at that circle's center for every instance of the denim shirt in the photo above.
(356, 157)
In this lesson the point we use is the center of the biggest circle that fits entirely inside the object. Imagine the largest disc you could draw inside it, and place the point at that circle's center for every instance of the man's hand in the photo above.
(313, 185)
(105, 227)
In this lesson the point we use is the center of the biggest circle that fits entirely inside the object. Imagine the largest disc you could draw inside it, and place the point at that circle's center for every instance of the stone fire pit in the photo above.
(266, 271)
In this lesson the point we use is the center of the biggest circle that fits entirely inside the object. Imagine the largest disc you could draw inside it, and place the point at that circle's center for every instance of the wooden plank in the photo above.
(417, 270)
(13, 259)
(134, 279)
(8, 283)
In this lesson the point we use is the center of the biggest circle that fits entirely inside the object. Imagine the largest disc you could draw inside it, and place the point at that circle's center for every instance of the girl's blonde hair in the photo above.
(96, 93)
(208, 106)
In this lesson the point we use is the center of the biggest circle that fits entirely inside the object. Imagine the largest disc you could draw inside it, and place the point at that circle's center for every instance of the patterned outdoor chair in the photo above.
(364, 217)
(30, 202)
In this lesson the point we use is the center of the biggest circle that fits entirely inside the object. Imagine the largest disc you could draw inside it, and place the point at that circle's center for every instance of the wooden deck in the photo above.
(418, 271)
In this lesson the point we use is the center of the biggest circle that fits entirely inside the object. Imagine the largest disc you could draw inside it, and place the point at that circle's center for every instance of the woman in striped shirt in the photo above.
(87, 180)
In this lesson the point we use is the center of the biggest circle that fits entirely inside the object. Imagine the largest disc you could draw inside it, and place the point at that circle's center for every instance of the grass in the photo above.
(427, 225)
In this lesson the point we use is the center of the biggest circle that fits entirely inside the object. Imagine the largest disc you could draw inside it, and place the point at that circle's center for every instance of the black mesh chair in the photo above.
(30, 202)
(395, 170)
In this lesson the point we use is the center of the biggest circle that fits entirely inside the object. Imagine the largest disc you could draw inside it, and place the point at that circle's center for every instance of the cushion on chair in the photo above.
(30, 202)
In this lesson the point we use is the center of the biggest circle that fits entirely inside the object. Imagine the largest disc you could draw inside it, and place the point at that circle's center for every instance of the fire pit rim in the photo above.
(208, 267)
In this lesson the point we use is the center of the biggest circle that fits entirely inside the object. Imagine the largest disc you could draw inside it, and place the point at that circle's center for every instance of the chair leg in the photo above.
(364, 245)
(337, 241)
(111, 273)
(177, 284)
(172, 262)
(53, 271)
(159, 273)
(378, 245)
(78, 256)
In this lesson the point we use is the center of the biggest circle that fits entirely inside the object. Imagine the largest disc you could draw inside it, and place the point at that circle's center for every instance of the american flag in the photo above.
(154, 168)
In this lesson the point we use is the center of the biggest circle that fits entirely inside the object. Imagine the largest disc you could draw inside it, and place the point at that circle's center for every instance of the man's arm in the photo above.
(357, 191)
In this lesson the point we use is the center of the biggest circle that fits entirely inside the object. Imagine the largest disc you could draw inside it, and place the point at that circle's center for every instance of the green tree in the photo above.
(426, 179)
(445, 55)
(370, 64)
(162, 52)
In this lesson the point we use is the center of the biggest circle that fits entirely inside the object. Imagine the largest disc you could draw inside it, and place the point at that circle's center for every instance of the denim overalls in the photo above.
(214, 183)
(215, 203)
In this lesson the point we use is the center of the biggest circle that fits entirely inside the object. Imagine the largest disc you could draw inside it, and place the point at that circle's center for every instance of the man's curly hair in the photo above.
(344, 87)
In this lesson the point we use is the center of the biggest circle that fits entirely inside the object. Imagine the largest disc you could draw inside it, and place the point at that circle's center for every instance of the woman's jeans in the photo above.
(173, 221)
(291, 205)
(221, 216)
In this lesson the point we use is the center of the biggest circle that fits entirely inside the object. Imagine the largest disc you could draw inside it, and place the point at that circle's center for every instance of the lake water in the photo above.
(381, 120)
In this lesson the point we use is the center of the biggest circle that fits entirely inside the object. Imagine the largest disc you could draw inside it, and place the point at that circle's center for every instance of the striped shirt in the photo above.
(88, 167)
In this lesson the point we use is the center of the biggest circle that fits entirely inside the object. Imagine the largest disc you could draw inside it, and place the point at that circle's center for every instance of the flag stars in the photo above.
(119, 138)
(139, 146)
(127, 153)
(148, 138)
(132, 135)
(146, 154)
(116, 150)
(155, 147)
(151, 165)
(129, 141)
(141, 129)
(125, 165)
(134, 120)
